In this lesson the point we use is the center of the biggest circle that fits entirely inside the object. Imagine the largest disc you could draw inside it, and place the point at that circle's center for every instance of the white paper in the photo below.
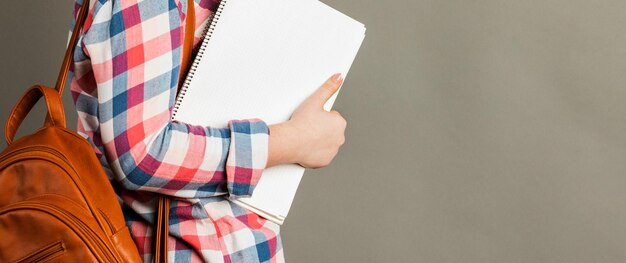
(262, 60)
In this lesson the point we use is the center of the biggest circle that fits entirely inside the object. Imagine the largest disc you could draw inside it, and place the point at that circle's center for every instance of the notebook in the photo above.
(261, 59)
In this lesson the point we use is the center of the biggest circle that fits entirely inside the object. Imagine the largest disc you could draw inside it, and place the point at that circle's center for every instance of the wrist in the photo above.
(283, 146)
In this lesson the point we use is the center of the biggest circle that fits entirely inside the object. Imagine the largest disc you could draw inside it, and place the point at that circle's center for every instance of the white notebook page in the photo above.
(262, 60)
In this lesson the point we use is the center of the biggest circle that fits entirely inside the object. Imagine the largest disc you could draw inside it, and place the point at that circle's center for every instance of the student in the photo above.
(124, 84)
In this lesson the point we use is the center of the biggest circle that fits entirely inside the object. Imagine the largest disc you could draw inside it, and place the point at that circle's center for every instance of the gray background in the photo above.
(478, 131)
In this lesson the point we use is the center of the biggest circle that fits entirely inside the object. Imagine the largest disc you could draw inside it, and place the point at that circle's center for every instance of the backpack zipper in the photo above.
(15, 156)
(81, 229)
(44, 254)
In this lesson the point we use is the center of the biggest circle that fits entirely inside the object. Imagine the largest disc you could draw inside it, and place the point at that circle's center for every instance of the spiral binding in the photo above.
(207, 33)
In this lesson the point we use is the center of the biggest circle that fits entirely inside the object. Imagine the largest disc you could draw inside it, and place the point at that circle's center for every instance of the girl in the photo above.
(124, 82)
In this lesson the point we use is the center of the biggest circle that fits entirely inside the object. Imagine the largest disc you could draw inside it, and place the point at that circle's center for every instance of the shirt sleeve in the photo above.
(125, 74)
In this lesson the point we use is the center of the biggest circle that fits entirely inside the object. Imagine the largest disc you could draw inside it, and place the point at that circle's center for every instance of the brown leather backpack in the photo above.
(56, 203)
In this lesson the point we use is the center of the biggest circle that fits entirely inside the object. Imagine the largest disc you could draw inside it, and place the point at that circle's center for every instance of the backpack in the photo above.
(56, 202)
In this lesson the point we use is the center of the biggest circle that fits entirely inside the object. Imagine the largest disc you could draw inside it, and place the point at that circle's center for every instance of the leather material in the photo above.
(26, 103)
(69, 52)
(190, 28)
(54, 190)
(56, 202)
(161, 228)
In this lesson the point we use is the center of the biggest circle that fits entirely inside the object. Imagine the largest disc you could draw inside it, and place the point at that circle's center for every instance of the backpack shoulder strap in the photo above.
(190, 28)
(69, 51)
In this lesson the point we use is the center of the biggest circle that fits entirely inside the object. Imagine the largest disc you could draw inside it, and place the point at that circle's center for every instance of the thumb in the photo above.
(323, 93)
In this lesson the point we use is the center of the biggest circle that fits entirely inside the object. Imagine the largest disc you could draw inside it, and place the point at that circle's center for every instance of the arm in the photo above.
(126, 65)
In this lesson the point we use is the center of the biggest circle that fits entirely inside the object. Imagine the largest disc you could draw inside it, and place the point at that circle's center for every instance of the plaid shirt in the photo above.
(124, 83)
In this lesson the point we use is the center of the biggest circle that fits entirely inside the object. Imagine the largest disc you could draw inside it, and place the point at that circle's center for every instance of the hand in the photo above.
(312, 136)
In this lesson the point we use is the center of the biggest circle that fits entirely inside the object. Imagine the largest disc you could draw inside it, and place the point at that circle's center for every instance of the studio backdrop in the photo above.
(478, 131)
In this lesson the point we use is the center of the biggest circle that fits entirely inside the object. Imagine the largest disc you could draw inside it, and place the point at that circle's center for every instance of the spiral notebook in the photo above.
(261, 59)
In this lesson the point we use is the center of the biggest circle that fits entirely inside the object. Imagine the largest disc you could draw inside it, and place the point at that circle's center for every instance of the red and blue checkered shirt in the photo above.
(124, 83)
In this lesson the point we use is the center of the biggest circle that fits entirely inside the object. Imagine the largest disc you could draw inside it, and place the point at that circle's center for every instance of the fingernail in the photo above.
(336, 78)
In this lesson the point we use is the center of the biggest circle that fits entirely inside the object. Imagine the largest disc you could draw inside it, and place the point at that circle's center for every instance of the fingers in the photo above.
(328, 89)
